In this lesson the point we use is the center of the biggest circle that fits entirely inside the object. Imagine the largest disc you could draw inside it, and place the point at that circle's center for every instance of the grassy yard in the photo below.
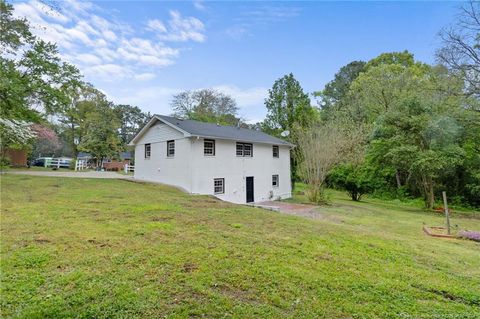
(110, 248)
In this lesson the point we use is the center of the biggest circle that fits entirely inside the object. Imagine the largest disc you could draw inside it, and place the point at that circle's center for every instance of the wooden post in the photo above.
(445, 207)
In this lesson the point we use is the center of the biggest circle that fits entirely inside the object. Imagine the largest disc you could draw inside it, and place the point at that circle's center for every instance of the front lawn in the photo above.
(95, 248)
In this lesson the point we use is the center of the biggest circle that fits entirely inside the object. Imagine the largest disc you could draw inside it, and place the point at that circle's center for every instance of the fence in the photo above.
(57, 162)
(80, 164)
(129, 168)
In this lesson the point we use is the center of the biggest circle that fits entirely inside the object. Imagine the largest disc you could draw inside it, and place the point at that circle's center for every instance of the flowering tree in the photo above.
(14, 134)
(47, 141)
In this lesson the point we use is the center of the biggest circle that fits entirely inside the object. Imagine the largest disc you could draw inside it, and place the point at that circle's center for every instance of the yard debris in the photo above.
(468, 234)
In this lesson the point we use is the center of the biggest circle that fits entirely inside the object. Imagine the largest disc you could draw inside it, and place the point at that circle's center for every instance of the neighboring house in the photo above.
(16, 157)
(234, 164)
(109, 164)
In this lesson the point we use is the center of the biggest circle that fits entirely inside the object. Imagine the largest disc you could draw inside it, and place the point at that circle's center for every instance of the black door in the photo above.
(250, 189)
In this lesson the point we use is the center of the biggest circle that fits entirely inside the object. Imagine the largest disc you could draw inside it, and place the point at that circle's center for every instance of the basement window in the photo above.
(170, 148)
(275, 181)
(209, 147)
(218, 186)
(148, 148)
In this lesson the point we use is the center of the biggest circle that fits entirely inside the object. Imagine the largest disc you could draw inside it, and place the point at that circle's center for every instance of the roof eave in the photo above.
(242, 140)
(148, 125)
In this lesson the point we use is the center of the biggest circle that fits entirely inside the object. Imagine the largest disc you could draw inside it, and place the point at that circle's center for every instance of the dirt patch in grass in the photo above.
(98, 243)
(449, 296)
(189, 267)
(42, 240)
(161, 219)
(237, 294)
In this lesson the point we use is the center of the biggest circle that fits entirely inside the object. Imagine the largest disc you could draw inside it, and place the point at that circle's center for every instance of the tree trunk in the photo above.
(428, 192)
(397, 177)
(72, 142)
(431, 196)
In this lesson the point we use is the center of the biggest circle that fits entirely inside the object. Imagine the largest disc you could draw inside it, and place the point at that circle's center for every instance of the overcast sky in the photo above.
(143, 52)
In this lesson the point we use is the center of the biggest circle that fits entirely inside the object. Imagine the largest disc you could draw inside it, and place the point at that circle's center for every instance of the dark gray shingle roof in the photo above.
(213, 130)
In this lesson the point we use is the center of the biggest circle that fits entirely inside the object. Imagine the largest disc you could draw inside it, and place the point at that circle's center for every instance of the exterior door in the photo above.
(249, 189)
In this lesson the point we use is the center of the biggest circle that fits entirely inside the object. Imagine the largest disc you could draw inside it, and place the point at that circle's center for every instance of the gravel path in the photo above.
(87, 174)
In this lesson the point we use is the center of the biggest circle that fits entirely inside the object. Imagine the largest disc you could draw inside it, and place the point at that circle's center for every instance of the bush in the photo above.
(355, 179)
(4, 162)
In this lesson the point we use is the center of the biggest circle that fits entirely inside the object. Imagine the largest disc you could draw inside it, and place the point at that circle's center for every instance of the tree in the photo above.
(404, 58)
(15, 135)
(32, 76)
(288, 110)
(288, 106)
(418, 135)
(81, 100)
(338, 88)
(206, 105)
(357, 180)
(46, 142)
(99, 128)
(461, 48)
(132, 119)
(322, 147)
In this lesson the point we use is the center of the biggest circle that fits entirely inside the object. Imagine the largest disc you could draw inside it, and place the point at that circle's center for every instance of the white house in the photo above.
(234, 164)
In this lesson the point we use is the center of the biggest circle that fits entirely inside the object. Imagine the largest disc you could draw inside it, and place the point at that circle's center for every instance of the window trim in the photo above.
(168, 148)
(273, 151)
(277, 184)
(213, 147)
(149, 150)
(243, 149)
(223, 186)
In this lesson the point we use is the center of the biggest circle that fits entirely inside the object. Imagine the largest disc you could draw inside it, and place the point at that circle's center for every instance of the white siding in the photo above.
(159, 132)
(225, 164)
(159, 167)
(191, 170)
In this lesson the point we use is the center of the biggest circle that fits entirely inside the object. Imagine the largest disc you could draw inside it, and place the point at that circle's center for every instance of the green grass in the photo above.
(87, 248)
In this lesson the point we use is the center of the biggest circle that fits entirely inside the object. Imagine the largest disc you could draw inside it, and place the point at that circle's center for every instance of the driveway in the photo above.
(303, 210)
(79, 174)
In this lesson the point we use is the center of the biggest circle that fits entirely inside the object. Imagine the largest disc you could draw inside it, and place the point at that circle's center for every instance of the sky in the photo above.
(143, 52)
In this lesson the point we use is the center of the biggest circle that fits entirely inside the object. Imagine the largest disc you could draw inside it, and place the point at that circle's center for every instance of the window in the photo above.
(244, 149)
(275, 181)
(170, 148)
(239, 149)
(275, 151)
(209, 147)
(148, 148)
(218, 186)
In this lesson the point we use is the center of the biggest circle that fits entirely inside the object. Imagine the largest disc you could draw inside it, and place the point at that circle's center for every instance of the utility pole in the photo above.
(445, 208)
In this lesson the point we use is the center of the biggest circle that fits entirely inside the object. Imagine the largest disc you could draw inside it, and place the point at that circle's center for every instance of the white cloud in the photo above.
(144, 76)
(87, 58)
(156, 99)
(156, 25)
(108, 72)
(104, 48)
(199, 5)
(179, 29)
(260, 16)
(250, 101)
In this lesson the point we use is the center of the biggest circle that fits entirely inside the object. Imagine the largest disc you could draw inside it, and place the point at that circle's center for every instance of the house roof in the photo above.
(212, 130)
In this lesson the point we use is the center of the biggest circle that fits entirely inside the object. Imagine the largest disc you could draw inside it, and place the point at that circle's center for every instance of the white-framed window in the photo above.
(275, 181)
(148, 150)
(209, 147)
(244, 149)
(275, 151)
(171, 148)
(218, 186)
